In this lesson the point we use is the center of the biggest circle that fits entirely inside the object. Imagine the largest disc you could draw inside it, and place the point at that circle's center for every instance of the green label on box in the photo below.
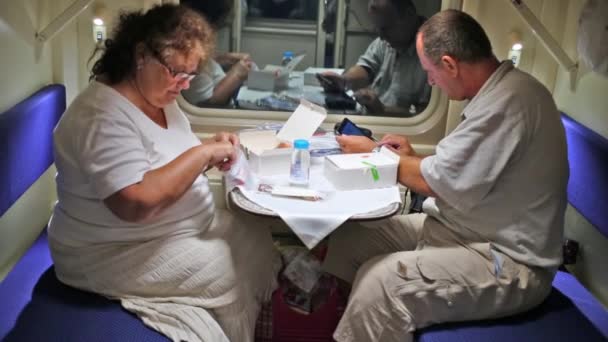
(374, 170)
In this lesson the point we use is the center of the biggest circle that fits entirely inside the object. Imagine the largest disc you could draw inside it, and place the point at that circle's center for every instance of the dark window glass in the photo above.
(283, 9)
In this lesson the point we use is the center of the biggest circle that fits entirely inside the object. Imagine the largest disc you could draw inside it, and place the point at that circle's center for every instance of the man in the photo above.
(489, 242)
(388, 79)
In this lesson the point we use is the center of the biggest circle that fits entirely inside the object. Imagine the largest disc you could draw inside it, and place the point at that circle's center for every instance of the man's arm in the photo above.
(354, 78)
(357, 77)
(409, 173)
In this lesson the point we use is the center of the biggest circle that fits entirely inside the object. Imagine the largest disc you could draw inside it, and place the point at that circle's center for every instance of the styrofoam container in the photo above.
(271, 78)
(271, 162)
(360, 171)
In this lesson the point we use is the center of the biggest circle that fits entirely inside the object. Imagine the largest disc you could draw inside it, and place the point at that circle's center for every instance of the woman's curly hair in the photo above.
(162, 30)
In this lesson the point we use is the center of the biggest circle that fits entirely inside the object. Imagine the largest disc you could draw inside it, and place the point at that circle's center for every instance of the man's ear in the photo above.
(450, 65)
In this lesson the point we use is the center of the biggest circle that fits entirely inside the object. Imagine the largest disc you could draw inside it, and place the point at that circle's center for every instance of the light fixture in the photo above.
(516, 47)
(99, 13)
(99, 27)
(63, 19)
(546, 39)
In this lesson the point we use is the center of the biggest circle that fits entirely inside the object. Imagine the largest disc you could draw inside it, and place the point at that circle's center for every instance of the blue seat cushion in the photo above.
(37, 307)
(570, 313)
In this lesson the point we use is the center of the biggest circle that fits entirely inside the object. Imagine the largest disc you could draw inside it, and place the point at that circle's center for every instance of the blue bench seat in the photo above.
(37, 307)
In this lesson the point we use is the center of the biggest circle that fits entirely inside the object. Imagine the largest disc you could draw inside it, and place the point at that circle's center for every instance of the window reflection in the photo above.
(283, 9)
(379, 64)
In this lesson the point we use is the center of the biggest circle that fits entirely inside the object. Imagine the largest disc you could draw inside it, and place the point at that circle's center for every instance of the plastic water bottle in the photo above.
(287, 57)
(299, 173)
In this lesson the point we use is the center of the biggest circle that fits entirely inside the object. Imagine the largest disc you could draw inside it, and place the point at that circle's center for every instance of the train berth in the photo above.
(37, 307)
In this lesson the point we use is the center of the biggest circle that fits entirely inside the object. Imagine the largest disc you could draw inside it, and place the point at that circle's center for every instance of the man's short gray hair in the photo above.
(456, 34)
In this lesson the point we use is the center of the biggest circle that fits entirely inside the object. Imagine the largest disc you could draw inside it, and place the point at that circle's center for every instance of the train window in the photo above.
(331, 34)
(283, 9)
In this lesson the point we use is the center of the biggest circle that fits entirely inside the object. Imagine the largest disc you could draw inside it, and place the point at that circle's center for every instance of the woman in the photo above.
(212, 86)
(135, 219)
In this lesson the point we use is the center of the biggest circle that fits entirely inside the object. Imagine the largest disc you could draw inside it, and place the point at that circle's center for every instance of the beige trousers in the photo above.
(410, 271)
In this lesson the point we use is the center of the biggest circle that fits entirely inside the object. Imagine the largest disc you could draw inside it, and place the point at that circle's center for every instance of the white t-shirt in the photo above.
(501, 175)
(104, 143)
(201, 87)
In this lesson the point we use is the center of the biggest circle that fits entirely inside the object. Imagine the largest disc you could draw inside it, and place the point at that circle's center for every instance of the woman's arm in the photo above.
(225, 89)
(162, 187)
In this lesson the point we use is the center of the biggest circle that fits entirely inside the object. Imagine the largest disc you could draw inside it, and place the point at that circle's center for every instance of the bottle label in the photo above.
(299, 171)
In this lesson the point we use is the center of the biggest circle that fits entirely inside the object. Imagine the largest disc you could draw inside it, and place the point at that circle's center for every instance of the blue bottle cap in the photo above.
(288, 54)
(301, 144)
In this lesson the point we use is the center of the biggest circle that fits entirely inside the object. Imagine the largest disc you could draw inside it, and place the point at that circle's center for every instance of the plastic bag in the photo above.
(240, 174)
(592, 39)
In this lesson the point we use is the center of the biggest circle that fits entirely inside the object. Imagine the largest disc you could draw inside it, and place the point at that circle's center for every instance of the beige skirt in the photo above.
(203, 287)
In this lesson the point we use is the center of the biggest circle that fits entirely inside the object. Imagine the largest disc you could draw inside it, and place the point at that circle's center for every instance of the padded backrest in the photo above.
(26, 141)
(588, 184)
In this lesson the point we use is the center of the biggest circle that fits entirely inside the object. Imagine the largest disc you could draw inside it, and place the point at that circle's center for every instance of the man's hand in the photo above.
(369, 99)
(331, 82)
(398, 143)
(355, 143)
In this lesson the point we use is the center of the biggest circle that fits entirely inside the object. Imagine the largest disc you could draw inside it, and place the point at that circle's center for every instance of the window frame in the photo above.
(206, 120)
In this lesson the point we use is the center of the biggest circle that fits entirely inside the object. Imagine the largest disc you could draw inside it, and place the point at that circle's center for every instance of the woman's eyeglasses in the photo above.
(178, 76)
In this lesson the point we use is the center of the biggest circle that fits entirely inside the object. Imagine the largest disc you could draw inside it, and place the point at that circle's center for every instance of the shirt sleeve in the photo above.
(112, 154)
(469, 161)
(373, 57)
(202, 86)
(200, 90)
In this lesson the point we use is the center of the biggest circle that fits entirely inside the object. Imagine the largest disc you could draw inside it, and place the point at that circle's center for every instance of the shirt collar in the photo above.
(495, 78)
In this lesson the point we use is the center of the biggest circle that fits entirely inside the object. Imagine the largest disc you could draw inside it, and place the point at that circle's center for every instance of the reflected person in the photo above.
(213, 86)
(387, 79)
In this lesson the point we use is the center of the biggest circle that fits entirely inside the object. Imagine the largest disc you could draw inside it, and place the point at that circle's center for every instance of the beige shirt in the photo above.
(501, 175)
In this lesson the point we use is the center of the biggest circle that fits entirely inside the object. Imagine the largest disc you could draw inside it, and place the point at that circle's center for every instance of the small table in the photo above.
(237, 198)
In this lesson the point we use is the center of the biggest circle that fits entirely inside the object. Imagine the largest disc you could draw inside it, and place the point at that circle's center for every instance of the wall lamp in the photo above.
(547, 39)
(99, 22)
(62, 20)
(516, 46)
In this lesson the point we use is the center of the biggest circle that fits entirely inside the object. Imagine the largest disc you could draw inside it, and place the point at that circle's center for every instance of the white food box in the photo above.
(360, 171)
(260, 146)
(310, 75)
(271, 78)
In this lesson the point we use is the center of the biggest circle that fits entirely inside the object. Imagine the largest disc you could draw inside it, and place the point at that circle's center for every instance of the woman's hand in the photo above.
(355, 143)
(220, 154)
(241, 69)
(227, 136)
(228, 59)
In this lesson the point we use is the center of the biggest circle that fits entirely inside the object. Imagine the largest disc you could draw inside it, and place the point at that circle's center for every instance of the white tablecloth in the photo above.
(312, 221)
